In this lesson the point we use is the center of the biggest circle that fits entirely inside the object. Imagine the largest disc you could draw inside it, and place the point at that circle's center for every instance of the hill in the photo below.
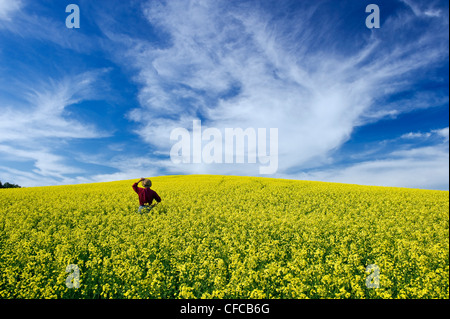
(224, 237)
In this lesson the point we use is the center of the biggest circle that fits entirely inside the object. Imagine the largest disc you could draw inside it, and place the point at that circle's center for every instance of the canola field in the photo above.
(225, 237)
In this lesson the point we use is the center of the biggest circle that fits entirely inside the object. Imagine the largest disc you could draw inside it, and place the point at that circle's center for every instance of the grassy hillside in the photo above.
(225, 237)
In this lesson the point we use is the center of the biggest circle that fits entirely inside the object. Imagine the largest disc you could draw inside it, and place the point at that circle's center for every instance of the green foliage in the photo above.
(8, 185)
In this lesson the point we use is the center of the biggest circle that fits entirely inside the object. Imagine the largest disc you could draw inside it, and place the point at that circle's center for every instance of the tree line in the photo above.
(8, 185)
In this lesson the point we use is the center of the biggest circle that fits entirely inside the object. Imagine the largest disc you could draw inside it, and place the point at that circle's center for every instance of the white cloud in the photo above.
(426, 168)
(412, 135)
(31, 132)
(8, 8)
(410, 166)
(432, 13)
(45, 162)
(129, 168)
(45, 115)
(419, 9)
(22, 178)
(315, 99)
(443, 133)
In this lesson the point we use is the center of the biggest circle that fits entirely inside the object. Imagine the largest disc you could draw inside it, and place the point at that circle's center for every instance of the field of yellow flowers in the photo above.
(225, 237)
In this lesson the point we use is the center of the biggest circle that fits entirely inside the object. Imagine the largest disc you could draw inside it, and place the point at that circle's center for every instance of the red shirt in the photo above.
(146, 195)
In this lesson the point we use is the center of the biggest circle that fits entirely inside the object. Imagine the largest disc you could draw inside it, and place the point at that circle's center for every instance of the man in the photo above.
(146, 195)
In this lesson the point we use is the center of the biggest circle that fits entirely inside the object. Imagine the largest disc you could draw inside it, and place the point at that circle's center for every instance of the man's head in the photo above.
(147, 183)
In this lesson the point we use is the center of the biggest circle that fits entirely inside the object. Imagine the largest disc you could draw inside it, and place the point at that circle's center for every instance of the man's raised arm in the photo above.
(135, 185)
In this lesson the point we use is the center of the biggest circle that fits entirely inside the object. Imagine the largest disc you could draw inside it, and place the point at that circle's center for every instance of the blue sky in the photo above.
(351, 104)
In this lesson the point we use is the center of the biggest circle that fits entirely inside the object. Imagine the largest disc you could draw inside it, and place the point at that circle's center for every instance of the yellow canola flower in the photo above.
(225, 237)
